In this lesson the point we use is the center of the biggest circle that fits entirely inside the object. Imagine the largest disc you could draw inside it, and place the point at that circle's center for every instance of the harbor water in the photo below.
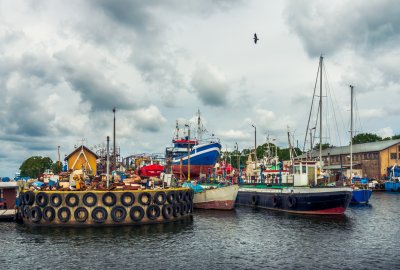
(365, 237)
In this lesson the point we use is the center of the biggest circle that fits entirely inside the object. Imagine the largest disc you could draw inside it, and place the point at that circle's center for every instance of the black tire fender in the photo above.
(153, 211)
(109, 199)
(291, 201)
(118, 213)
(176, 209)
(42, 199)
(71, 200)
(143, 201)
(127, 199)
(160, 197)
(171, 197)
(55, 200)
(276, 200)
(99, 214)
(35, 214)
(167, 211)
(81, 214)
(64, 214)
(48, 213)
(89, 199)
(29, 197)
(134, 210)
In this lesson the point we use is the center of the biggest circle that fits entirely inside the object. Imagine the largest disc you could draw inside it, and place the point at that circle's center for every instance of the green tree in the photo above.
(56, 168)
(35, 165)
(324, 146)
(395, 137)
(365, 138)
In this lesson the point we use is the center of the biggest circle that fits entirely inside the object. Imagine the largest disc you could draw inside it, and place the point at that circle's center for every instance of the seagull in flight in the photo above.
(255, 38)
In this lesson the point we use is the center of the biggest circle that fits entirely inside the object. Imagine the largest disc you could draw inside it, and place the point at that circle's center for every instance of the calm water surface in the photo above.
(366, 237)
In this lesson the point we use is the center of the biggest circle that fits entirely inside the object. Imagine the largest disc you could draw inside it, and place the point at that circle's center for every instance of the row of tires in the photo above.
(109, 199)
(276, 200)
(99, 214)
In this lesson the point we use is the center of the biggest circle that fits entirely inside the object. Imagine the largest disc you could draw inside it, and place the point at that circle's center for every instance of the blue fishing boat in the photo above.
(361, 195)
(192, 157)
(361, 192)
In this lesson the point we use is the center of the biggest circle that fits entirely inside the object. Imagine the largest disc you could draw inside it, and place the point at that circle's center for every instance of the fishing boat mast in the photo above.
(351, 132)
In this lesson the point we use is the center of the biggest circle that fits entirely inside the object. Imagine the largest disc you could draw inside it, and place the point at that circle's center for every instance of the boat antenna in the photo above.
(351, 131)
(108, 162)
(114, 155)
(177, 130)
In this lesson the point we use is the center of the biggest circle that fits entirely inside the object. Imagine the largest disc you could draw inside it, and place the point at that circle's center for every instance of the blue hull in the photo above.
(361, 196)
(202, 155)
(392, 186)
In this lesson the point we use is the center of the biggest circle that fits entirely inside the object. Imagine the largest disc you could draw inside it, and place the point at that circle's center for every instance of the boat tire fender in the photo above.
(81, 214)
(180, 196)
(35, 214)
(99, 214)
(160, 197)
(42, 199)
(171, 197)
(291, 201)
(167, 211)
(254, 200)
(55, 200)
(142, 199)
(29, 197)
(136, 209)
(48, 213)
(276, 200)
(176, 209)
(109, 199)
(64, 214)
(118, 213)
(183, 208)
(71, 200)
(153, 211)
(25, 211)
(127, 199)
(89, 199)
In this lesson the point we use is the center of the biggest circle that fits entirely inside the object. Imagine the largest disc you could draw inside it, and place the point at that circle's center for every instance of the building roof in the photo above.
(79, 149)
(357, 148)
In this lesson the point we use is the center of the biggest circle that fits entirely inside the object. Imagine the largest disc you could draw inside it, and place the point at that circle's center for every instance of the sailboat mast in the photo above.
(320, 110)
(351, 131)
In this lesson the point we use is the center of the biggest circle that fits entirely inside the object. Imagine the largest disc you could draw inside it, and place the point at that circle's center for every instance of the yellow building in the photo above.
(82, 158)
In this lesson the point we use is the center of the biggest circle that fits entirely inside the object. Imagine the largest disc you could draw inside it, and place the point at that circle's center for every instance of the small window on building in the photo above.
(393, 155)
(398, 146)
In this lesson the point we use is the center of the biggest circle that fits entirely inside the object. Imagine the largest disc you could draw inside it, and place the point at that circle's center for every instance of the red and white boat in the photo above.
(222, 198)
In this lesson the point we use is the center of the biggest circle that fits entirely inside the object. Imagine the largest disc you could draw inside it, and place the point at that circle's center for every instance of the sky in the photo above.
(64, 65)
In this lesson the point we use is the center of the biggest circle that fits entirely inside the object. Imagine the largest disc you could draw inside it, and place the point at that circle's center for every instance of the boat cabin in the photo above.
(305, 173)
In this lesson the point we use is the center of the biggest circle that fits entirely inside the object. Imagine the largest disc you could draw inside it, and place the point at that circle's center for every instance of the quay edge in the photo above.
(104, 208)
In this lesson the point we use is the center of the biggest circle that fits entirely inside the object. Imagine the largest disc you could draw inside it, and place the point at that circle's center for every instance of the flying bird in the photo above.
(255, 38)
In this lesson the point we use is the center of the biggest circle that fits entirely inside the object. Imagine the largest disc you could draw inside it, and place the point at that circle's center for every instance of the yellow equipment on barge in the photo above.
(104, 207)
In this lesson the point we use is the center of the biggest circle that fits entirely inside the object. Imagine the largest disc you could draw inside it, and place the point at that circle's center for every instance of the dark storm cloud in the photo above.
(22, 110)
(29, 142)
(209, 86)
(100, 92)
(328, 27)
(147, 26)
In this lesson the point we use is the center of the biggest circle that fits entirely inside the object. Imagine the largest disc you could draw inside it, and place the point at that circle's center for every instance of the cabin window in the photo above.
(297, 169)
(398, 147)
(393, 155)
(304, 169)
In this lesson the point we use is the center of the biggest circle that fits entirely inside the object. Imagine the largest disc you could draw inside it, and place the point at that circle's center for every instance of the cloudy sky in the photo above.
(65, 64)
